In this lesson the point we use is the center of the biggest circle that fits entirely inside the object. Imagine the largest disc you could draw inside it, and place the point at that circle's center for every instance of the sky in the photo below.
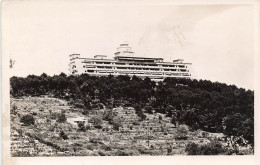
(217, 39)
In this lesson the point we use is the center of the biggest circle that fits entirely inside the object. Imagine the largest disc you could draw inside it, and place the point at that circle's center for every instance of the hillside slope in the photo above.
(153, 136)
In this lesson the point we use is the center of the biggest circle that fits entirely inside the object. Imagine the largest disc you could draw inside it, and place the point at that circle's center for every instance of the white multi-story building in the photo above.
(126, 63)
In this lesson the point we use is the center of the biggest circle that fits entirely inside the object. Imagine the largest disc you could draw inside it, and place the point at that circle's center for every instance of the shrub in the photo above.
(63, 135)
(101, 106)
(78, 103)
(21, 154)
(87, 127)
(28, 120)
(212, 148)
(182, 131)
(192, 149)
(97, 122)
(41, 109)
(149, 109)
(85, 112)
(174, 120)
(13, 109)
(108, 148)
(169, 150)
(90, 147)
(54, 115)
(117, 125)
(96, 140)
(62, 117)
(122, 153)
(160, 117)
(108, 116)
(81, 127)
(101, 153)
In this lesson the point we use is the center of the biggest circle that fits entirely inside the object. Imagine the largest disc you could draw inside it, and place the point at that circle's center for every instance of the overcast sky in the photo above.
(217, 40)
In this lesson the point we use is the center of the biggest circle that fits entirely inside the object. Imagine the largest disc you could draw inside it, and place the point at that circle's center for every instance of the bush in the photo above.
(212, 148)
(160, 117)
(63, 135)
(108, 116)
(139, 112)
(41, 109)
(78, 103)
(122, 153)
(101, 153)
(21, 154)
(182, 131)
(149, 109)
(13, 109)
(169, 150)
(81, 127)
(117, 125)
(96, 140)
(192, 149)
(54, 115)
(87, 127)
(97, 122)
(62, 117)
(108, 148)
(28, 120)
(85, 112)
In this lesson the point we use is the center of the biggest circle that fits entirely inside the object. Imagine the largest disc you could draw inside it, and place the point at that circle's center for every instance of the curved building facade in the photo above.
(126, 63)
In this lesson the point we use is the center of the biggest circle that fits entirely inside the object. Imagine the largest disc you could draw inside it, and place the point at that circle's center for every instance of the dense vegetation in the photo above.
(214, 107)
(212, 148)
(27, 119)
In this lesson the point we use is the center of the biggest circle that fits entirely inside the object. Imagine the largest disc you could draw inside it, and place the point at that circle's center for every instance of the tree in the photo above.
(200, 104)
(182, 131)
(27, 120)
(139, 112)
(169, 110)
(174, 120)
(148, 109)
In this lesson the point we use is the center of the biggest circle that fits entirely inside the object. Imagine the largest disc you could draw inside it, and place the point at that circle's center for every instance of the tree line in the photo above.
(201, 104)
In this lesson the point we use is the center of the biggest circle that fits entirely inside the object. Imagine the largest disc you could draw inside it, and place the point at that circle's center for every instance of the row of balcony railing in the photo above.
(140, 70)
(134, 66)
(141, 75)
(132, 70)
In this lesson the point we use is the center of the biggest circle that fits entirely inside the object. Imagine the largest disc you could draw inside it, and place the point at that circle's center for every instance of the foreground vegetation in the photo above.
(201, 105)
(214, 107)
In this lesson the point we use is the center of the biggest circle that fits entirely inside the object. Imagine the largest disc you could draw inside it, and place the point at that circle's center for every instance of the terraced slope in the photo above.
(50, 137)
